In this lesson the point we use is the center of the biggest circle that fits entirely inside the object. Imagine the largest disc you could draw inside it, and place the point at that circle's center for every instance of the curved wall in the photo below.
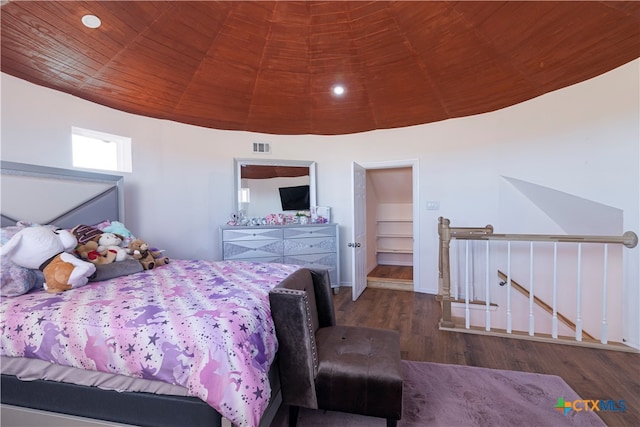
(582, 140)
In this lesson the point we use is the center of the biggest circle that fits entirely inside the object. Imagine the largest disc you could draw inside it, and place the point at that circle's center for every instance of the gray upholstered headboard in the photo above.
(66, 198)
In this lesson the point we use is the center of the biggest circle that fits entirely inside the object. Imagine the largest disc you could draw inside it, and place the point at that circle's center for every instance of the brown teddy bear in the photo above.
(139, 249)
(89, 252)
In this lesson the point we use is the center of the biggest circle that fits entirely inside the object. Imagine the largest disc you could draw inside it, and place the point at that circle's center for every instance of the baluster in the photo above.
(455, 270)
(531, 290)
(579, 296)
(603, 338)
(554, 332)
(508, 287)
(487, 321)
(467, 314)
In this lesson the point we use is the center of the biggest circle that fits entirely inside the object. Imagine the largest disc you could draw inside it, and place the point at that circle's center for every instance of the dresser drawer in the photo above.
(275, 259)
(326, 260)
(312, 245)
(255, 233)
(251, 249)
(310, 231)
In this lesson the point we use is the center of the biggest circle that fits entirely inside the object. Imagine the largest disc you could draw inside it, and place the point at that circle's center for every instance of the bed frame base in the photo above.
(139, 409)
(16, 416)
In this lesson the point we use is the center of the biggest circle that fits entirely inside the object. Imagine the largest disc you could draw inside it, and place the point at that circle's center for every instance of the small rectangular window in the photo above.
(99, 150)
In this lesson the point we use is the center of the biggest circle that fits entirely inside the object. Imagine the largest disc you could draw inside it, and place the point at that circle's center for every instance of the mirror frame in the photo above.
(238, 163)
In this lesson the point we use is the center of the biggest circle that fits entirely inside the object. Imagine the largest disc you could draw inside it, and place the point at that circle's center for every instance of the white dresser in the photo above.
(310, 245)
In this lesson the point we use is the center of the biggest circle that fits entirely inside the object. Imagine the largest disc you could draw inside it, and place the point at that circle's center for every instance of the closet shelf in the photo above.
(393, 251)
(394, 237)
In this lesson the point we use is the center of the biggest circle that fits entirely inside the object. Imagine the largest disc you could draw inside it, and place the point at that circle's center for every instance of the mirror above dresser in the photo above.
(267, 186)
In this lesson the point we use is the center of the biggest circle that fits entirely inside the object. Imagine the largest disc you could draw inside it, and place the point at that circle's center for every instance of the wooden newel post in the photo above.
(444, 272)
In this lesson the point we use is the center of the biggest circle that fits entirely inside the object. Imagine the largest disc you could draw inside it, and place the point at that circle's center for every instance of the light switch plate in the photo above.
(433, 205)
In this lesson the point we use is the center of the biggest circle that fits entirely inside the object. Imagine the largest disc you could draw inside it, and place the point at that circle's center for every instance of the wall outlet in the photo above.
(433, 205)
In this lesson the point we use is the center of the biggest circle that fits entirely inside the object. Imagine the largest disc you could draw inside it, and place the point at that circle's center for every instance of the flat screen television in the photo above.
(295, 198)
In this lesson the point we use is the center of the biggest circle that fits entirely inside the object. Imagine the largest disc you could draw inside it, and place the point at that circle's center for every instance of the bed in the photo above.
(186, 343)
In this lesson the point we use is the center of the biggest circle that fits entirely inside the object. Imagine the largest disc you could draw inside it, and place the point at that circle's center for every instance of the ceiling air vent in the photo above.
(261, 148)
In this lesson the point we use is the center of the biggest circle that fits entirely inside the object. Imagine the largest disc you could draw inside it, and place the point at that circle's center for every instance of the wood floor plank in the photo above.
(392, 272)
(592, 373)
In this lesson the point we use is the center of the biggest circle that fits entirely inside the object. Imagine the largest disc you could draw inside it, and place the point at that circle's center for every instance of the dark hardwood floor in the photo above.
(593, 374)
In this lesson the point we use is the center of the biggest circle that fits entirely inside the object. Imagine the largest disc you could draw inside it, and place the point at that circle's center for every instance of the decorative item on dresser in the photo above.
(308, 245)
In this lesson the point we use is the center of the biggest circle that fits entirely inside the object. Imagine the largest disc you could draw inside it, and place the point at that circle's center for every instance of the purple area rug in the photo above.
(438, 394)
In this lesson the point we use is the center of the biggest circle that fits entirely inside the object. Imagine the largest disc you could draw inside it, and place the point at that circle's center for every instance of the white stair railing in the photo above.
(495, 255)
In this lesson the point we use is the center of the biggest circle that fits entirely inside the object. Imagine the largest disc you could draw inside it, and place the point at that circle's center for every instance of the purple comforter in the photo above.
(203, 325)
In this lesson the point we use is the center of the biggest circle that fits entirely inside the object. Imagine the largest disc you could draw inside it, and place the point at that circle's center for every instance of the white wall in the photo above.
(582, 140)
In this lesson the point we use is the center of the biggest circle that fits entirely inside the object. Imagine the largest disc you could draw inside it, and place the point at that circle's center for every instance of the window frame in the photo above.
(123, 149)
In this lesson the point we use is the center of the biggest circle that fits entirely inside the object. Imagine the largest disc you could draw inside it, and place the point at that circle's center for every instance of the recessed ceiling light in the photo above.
(91, 21)
(338, 90)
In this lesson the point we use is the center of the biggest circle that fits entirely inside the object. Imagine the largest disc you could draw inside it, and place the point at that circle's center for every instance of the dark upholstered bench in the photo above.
(326, 366)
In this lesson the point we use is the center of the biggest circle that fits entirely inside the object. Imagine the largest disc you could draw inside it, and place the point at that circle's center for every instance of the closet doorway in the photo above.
(391, 225)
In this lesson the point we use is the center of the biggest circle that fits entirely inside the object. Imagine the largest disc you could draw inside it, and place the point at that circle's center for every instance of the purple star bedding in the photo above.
(202, 325)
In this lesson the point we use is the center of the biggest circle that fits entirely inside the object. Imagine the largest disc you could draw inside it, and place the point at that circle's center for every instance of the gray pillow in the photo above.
(116, 269)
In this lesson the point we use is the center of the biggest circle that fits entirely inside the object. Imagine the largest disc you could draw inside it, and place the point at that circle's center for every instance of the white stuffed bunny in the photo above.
(46, 249)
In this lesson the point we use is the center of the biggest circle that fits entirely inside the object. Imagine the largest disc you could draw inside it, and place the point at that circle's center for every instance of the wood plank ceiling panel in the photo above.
(269, 66)
(335, 60)
(267, 171)
(283, 81)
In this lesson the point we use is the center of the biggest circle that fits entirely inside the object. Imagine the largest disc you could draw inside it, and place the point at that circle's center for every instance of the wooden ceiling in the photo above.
(270, 66)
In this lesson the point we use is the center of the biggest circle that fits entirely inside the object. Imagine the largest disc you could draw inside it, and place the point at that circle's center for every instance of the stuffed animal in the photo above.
(149, 258)
(86, 233)
(46, 249)
(111, 242)
(89, 252)
(118, 228)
